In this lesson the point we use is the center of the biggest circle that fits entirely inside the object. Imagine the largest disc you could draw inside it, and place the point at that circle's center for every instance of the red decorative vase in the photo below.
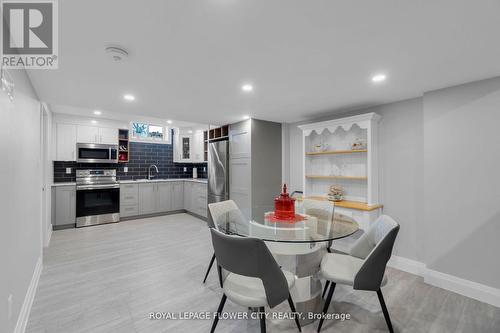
(284, 206)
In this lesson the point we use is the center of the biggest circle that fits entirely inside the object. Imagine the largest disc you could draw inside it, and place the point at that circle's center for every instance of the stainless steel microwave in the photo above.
(96, 153)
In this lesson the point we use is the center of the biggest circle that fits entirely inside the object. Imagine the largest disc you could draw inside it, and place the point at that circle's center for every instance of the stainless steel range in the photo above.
(97, 197)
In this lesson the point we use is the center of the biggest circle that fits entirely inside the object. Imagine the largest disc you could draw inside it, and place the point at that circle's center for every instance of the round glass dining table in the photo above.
(298, 247)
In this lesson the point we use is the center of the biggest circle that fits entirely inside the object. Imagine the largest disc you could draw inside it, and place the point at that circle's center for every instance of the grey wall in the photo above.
(20, 197)
(462, 181)
(400, 150)
(439, 178)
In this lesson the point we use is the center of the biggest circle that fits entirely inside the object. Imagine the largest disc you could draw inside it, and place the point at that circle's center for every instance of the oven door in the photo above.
(97, 153)
(97, 204)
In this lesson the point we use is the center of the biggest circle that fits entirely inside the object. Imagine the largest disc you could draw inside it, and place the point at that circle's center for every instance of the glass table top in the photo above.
(268, 228)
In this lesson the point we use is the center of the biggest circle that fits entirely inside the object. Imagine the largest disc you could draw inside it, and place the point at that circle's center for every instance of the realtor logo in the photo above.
(29, 34)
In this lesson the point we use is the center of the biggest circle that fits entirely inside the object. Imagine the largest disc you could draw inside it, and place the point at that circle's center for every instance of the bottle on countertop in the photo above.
(195, 173)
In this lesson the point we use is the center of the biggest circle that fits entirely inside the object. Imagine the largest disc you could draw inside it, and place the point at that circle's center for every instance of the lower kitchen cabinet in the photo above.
(129, 200)
(162, 197)
(147, 199)
(177, 195)
(63, 205)
(187, 195)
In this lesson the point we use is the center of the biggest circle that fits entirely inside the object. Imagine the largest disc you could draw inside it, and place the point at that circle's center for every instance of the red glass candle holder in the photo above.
(284, 206)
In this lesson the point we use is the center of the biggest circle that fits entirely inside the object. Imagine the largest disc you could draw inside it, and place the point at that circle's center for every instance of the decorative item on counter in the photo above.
(284, 206)
(195, 173)
(122, 147)
(336, 193)
(359, 144)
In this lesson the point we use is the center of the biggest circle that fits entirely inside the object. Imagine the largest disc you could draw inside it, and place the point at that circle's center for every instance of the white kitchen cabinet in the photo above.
(188, 198)
(197, 147)
(87, 134)
(199, 197)
(65, 142)
(147, 199)
(188, 147)
(64, 205)
(186, 141)
(92, 134)
(108, 135)
(178, 195)
(164, 197)
(129, 200)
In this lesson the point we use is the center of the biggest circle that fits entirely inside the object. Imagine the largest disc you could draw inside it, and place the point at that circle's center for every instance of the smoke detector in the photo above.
(116, 54)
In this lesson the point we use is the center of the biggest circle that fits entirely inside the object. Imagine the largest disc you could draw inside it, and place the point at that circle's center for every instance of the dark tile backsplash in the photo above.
(142, 155)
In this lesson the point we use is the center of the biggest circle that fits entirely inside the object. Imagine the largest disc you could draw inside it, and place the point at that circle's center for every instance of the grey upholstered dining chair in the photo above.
(219, 214)
(255, 280)
(323, 211)
(364, 267)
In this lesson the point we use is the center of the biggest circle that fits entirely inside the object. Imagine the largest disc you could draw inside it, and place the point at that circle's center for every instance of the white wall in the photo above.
(20, 195)
(462, 181)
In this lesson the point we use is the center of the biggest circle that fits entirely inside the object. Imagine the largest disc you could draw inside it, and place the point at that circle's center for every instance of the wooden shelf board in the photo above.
(334, 152)
(336, 177)
(348, 204)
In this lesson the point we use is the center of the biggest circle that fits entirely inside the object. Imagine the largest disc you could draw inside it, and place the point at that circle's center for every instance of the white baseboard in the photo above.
(452, 283)
(407, 265)
(24, 315)
(464, 287)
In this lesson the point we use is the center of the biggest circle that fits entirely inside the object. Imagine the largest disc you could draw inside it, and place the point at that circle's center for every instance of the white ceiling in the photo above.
(188, 58)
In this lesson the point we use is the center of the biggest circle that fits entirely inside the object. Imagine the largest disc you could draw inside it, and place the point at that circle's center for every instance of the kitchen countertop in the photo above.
(144, 181)
(64, 184)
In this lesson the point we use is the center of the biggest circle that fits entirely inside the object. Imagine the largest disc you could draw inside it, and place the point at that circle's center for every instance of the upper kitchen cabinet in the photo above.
(197, 147)
(188, 146)
(65, 142)
(91, 134)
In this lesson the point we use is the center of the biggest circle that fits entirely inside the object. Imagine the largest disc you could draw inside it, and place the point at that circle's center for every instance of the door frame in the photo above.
(45, 174)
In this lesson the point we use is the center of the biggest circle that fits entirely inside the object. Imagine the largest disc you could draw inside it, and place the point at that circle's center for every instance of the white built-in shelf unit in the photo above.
(330, 159)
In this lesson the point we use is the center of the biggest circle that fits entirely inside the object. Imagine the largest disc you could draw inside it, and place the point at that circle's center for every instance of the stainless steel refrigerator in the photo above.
(218, 171)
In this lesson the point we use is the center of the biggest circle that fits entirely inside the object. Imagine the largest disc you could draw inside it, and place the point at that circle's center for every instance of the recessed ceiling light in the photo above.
(169, 121)
(97, 112)
(246, 117)
(128, 97)
(379, 78)
(93, 121)
(247, 87)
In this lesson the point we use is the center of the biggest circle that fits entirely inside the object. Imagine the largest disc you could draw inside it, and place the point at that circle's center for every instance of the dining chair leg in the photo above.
(262, 313)
(219, 310)
(209, 268)
(292, 307)
(327, 283)
(219, 272)
(384, 310)
(327, 304)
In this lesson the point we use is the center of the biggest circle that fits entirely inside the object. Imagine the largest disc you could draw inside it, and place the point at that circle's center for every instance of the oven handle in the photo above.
(96, 187)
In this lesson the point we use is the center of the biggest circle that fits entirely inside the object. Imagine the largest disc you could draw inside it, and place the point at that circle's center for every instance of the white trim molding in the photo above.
(448, 282)
(464, 287)
(24, 314)
(407, 265)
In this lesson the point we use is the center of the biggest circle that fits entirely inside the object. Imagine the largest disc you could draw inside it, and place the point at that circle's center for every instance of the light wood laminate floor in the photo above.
(109, 278)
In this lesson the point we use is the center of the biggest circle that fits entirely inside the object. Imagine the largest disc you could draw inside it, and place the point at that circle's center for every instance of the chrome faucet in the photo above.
(149, 171)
